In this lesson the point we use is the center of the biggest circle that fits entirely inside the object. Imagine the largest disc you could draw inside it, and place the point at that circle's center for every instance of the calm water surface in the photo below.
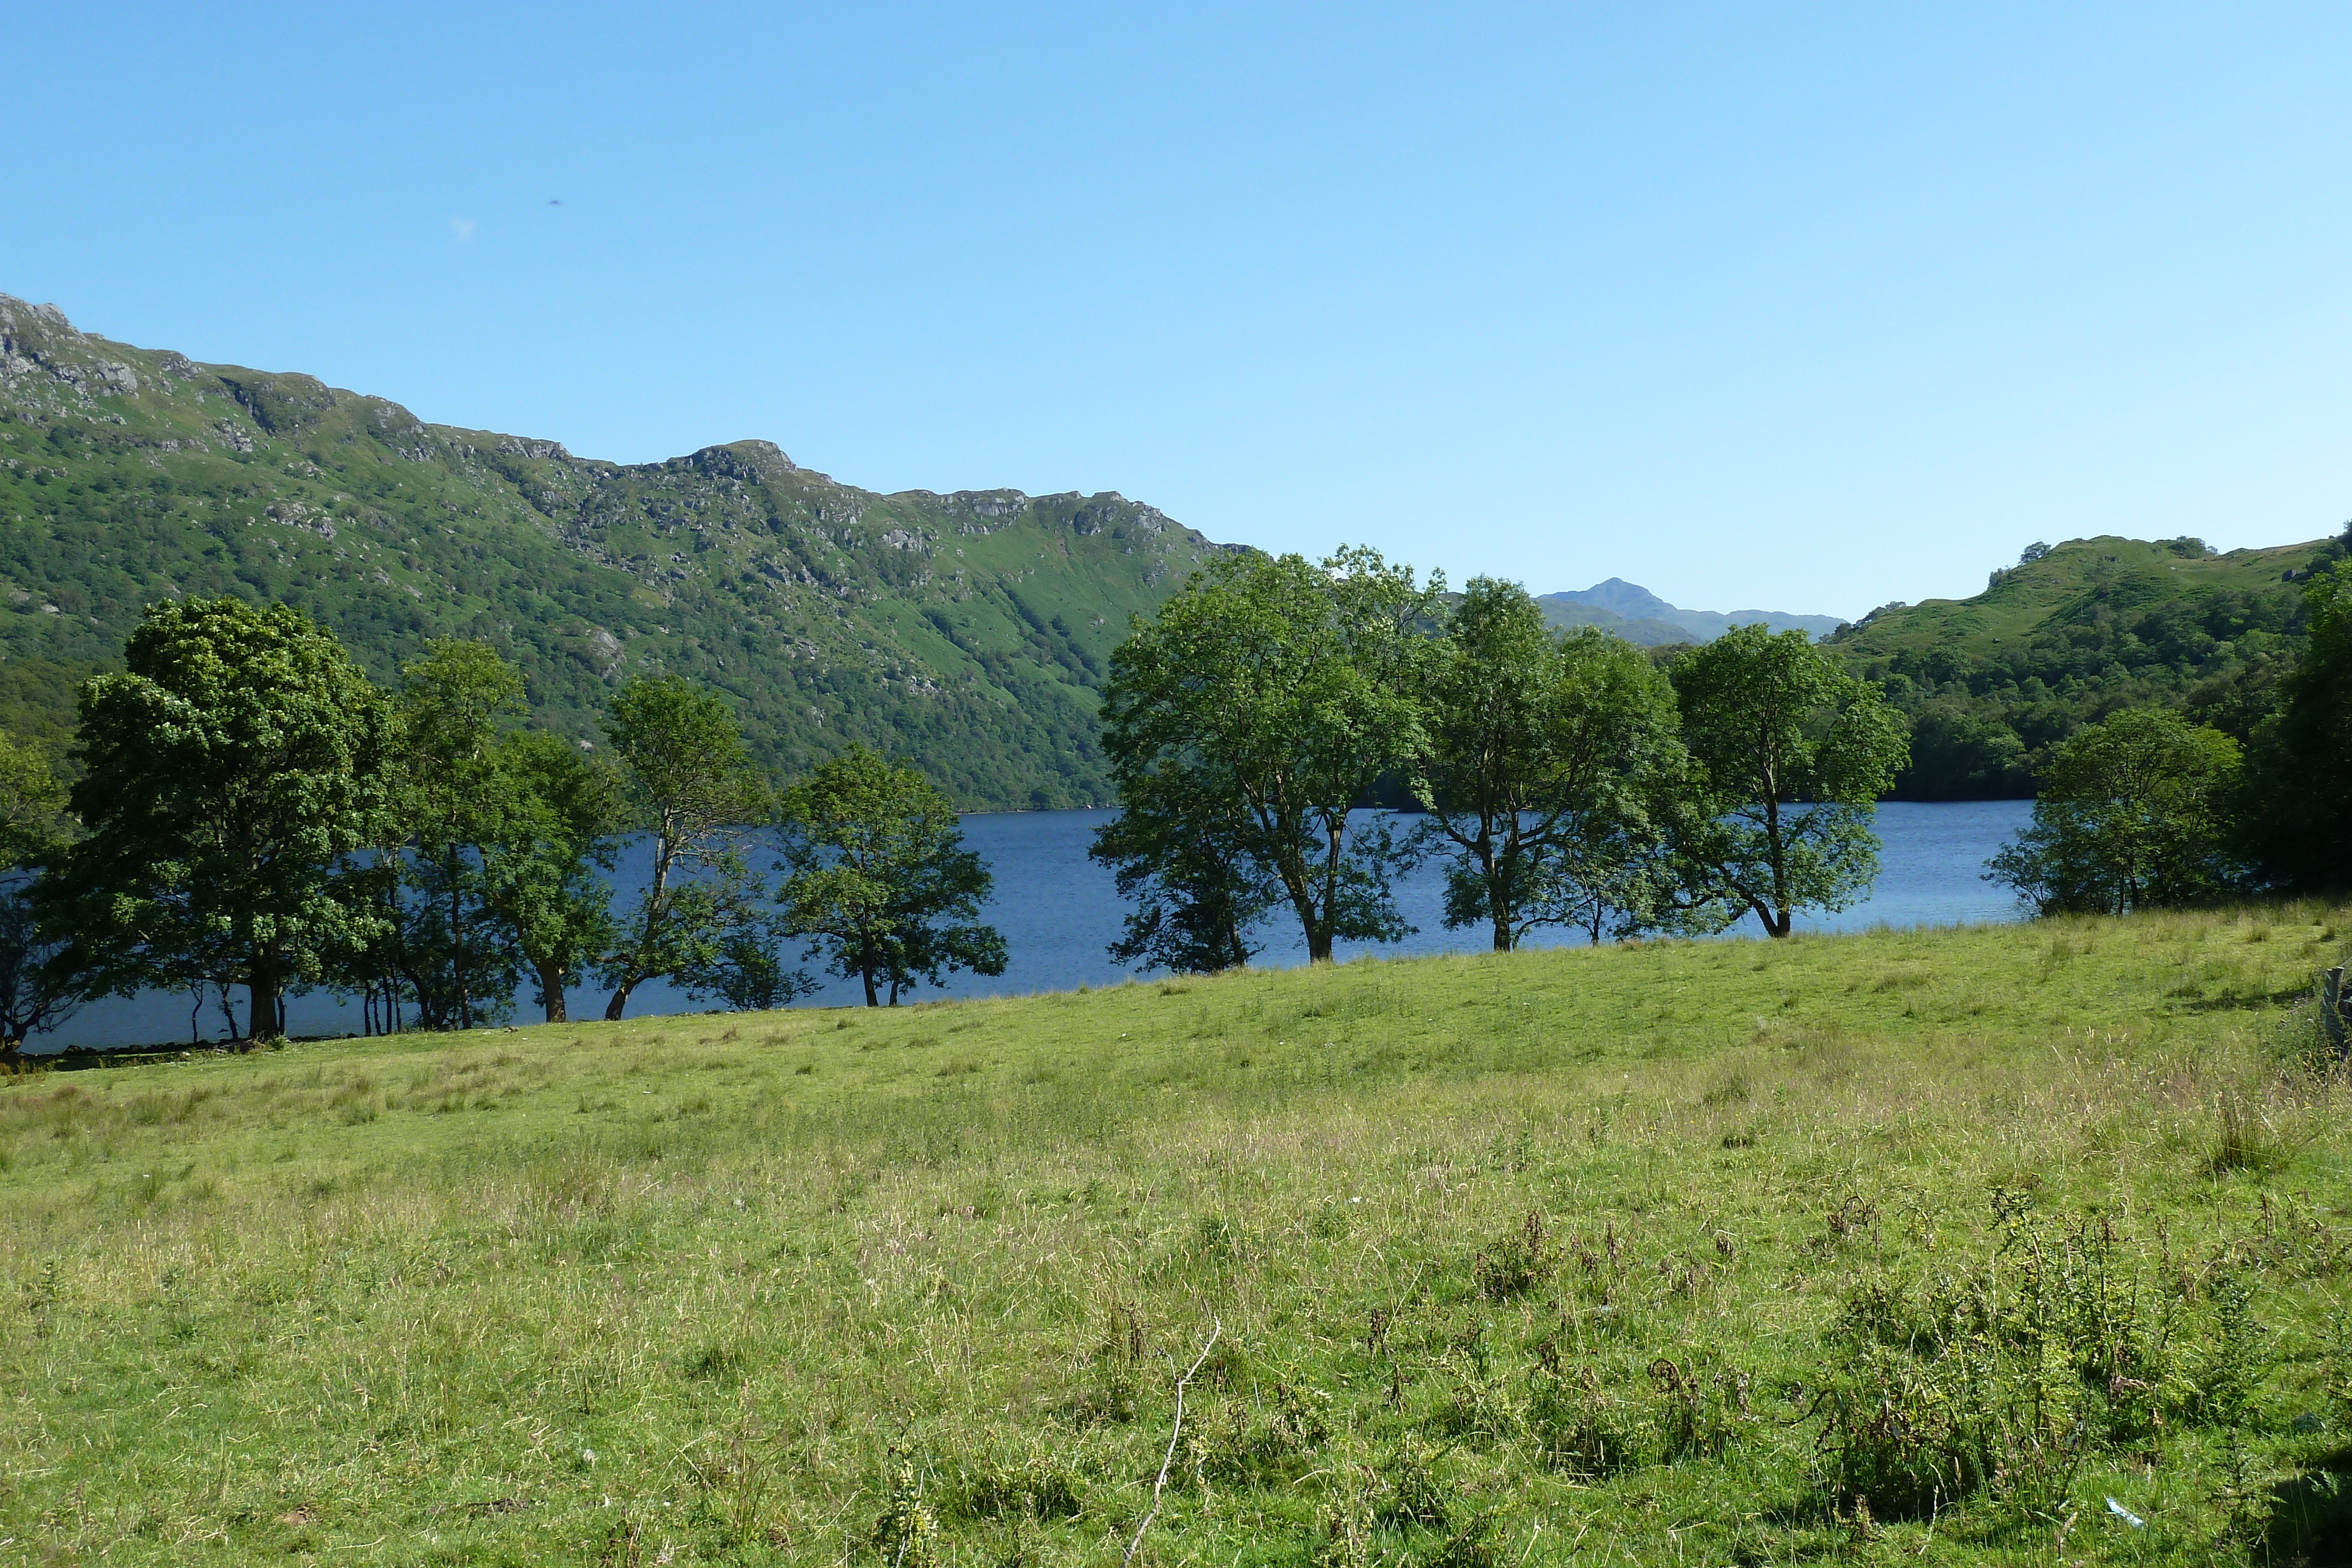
(1058, 910)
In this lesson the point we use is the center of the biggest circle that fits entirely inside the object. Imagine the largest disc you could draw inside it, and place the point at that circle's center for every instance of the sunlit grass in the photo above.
(1533, 1259)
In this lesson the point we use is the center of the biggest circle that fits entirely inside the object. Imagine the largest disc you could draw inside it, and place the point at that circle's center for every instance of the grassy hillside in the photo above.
(1657, 1254)
(2093, 626)
(968, 631)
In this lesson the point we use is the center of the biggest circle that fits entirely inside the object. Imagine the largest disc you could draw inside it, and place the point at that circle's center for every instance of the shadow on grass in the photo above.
(2241, 1002)
(2311, 1516)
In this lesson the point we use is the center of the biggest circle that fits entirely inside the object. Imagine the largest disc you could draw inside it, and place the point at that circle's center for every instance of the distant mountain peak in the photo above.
(1638, 615)
(1630, 601)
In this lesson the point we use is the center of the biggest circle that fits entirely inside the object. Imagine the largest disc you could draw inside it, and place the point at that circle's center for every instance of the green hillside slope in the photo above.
(968, 631)
(2068, 637)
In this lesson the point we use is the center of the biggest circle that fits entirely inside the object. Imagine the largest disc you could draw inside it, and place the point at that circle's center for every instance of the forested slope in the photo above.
(967, 631)
(2074, 633)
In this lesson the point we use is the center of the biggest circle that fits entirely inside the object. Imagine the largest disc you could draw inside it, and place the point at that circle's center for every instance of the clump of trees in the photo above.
(1549, 771)
(2149, 808)
(1250, 717)
(2133, 814)
(249, 813)
(1566, 780)
(1569, 779)
(2298, 804)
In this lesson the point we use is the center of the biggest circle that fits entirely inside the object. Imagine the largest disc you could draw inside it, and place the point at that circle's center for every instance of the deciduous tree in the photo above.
(1184, 865)
(1545, 753)
(687, 782)
(1272, 693)
(1793, 755)
(230, 771)
(876, 877)
(548, 837)
(34, 827)
(458, 958)
(2133, 814)
(2298, 811)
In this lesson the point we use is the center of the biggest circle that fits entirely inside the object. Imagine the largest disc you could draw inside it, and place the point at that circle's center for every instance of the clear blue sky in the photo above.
(1793, 308)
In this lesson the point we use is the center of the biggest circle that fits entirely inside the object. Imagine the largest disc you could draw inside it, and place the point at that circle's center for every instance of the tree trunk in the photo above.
(2333, 998)
(551, 985)
(1777, 921)
(1318, 933)
(265, 1020)
(873, 997)
(458, 957)
(656, 906)
(1498, 892)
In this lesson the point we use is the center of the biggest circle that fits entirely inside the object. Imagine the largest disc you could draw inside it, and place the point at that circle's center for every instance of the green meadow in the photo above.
(1881, 1247)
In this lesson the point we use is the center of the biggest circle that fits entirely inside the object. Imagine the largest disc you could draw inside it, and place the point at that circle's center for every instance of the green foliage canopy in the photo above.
(2133, 814)
(1183, 863)
(34, 826)
(1268, 697)
(1792, 754)
(1546, 752)
(229, 774)
(2299, 808)
(2072, 634)
(688, 782)
(454, 953)
(547, 834)
(877, 879)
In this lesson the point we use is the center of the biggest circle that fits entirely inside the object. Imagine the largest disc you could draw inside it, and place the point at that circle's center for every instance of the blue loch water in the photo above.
(1058, 910)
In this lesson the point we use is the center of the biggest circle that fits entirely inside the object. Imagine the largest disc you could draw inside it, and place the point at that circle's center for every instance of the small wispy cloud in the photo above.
(462, 228)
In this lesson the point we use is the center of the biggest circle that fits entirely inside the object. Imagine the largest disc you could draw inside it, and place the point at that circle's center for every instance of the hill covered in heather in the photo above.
(968, 631)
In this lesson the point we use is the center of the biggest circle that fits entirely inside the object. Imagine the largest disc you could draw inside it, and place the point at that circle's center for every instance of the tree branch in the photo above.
(1216, 1328)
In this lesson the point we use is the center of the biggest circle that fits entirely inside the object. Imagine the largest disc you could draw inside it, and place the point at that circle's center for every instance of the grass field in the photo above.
(1872, 1248)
